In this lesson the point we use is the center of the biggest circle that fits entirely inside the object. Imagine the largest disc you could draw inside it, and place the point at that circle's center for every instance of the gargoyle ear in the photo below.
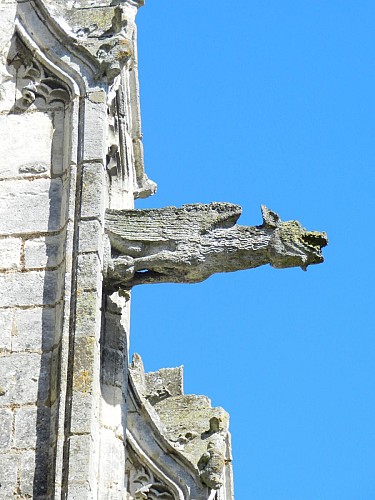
(270, 219)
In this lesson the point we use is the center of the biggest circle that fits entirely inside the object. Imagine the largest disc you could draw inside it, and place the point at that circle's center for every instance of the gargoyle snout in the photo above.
(315, 239)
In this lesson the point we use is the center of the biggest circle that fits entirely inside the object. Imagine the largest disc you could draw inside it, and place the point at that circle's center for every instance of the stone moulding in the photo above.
(189, 244)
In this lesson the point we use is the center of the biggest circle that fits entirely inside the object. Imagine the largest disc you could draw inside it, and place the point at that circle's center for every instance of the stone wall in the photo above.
(70, 136)
(34, 187)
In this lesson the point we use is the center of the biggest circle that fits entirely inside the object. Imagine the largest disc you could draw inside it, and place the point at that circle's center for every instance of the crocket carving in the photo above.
(189, 244)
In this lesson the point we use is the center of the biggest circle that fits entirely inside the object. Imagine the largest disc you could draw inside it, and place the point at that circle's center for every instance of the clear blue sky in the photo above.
(270, 102)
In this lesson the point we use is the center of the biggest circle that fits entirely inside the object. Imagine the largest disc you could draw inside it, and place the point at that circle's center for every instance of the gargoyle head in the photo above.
(291, 245)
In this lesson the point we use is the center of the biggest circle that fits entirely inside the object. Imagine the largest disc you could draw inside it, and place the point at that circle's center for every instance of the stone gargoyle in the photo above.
(189, 244)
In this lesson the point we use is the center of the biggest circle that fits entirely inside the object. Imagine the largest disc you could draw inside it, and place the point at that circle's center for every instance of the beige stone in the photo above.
(30, 206)
(10, 253)
(30, 137)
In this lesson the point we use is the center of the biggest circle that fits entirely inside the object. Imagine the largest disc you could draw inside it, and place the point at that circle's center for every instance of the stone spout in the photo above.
(189, 244)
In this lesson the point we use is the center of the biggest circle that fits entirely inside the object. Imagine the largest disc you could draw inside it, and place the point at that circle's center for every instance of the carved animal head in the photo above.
(291, 245)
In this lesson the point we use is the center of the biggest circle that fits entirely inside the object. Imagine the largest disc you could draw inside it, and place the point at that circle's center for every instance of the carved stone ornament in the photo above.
(189, 244)
(33, 80)
(142, 483)
(195, 434)
(105, 32)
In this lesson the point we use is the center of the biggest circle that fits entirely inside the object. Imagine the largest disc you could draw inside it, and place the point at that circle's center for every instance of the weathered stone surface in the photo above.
(92, 206)
(25, 435)
(27, 470)
(9, 471)
(33, 329)
(85, 365)
(189, 244)
(111, 408)
(24, 379)
(47, 251)
(29, 289)
(89, 272)
(10, 253)
(198, 431)
(164, 383)
(59, 157)
(7, 85)
(85, 414)
(26, 206)
(91, 237)
(111, 479)
(112, 371)
(31, 138)
(88, 314)
(34, 473)
(6, 319)
(95, 140)
(6, 430)
(195, 430)
(80, 466)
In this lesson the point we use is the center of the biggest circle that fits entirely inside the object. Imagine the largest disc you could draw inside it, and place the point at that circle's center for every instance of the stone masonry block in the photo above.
(111, 471)
(6, 431)
(93, 185)
(25, 427)
(90, 236)
(113, 367)
(114, 334)
(9, 471)
(80, 491)
(86, 365)
(33, 473)
(27, 471)
(95, 145)
(32, 427)
(28, 289)
(6, 321)
(33, 329)
(85, 414)
(47, 251)
(10, 253)
(80, 458)
(30, 137)
(24, 379)
(88, 314)
(89, 272)
(30, 206)
(111, 407)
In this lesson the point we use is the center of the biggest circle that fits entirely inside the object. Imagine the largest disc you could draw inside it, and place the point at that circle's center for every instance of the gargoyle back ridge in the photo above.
(162, 224)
